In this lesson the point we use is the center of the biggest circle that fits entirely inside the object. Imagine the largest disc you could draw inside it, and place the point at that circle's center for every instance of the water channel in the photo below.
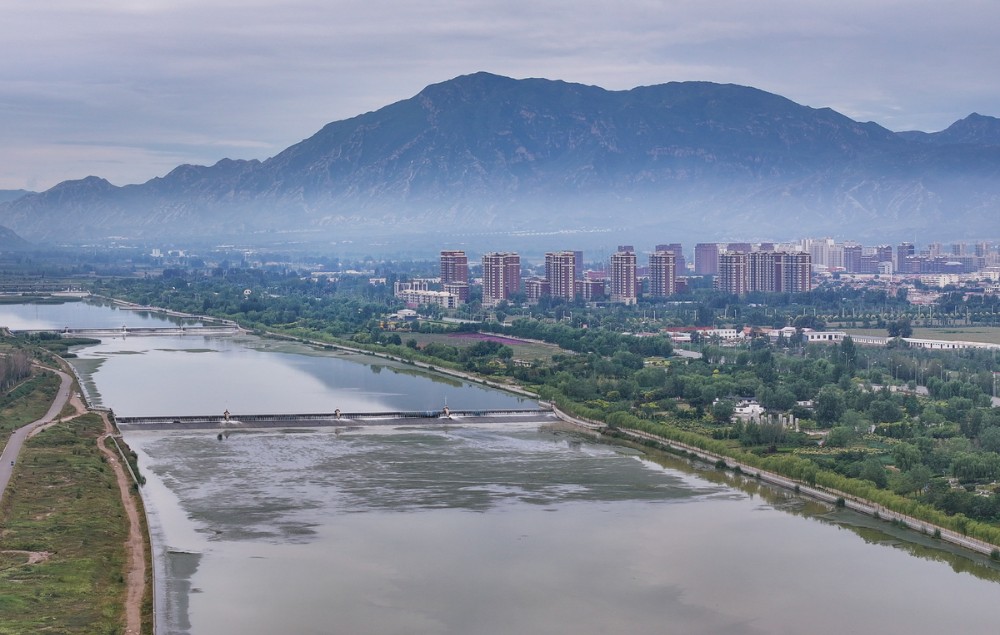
(512, 527)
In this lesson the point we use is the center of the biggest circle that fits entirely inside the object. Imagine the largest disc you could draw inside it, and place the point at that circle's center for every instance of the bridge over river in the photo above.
(227, 421)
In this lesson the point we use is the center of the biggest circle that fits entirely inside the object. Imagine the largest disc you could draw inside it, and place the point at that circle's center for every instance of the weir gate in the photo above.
(135, 331)
(335, 419)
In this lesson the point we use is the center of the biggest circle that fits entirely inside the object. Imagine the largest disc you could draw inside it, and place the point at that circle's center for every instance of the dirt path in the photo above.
(34, 557)
(135, 546)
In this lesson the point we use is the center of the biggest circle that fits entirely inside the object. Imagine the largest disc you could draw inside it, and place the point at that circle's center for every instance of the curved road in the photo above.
(13, 447)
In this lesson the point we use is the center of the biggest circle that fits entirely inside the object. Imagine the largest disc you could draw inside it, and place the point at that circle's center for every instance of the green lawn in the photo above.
(528, 351)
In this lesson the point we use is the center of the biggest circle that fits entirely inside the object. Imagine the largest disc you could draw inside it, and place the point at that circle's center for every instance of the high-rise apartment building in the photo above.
(883, 253)
(560, 272)
(706, 259)
(679, 261)
(762, 271)
(535, 289)
(733, 276)
(454, 267)
(768, 271)
(904, 251)
(501, 277)
(662, 273)
(590, 289)
(623, 279)
(793, 272)
(852, 258)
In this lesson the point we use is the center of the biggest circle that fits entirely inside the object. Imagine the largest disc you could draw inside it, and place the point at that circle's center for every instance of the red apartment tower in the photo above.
(852, 258)
(662, 273)
(454, 267)
(678, 249)
(733, 276)
(794, 272)
(501, 277)
(762, 271)
(560, 272)
(623, 280)
(769, 271)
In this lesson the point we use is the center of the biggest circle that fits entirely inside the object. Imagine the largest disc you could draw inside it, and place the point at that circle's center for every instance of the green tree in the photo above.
(830, 405)
(722, 410)
(841, 437)
(906, 456)
(989, 439)
(873, 470)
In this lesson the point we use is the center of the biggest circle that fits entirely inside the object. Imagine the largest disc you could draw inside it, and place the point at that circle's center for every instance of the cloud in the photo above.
(189, 75)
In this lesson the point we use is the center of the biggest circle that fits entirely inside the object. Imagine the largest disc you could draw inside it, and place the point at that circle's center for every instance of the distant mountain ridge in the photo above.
(10, 195)
(975, 129)
(485, 153)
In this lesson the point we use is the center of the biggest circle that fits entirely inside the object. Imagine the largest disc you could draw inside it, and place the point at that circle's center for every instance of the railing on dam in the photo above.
(311, 419)
(134, 331)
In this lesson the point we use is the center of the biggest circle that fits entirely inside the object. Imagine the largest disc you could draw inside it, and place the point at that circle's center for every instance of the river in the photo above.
(514, 527)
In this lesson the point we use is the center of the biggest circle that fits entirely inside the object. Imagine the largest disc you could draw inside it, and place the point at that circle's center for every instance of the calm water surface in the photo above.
(519, 530)
(83, 315)
(508, 528)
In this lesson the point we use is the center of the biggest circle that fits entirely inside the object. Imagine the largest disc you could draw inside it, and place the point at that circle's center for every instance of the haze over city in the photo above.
(128, 90)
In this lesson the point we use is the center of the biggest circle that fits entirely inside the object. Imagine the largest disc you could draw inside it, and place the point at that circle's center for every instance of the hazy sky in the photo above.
(129, 89)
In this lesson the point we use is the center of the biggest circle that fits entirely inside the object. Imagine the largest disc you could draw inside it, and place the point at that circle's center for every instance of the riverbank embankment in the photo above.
(825, 495)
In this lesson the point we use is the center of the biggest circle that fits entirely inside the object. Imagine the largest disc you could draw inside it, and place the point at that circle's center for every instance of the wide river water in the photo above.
(512, 527)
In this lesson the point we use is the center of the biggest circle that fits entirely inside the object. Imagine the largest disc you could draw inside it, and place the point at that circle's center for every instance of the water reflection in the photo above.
(196, 375)
(499, 530)
(870, 530)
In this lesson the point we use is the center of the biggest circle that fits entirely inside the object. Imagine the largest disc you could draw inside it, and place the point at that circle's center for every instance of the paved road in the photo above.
(16, 440)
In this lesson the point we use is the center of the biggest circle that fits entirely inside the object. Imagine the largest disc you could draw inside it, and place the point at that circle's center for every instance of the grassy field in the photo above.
(528, 351)
(62, 537)
(963, 333)
(27, 402)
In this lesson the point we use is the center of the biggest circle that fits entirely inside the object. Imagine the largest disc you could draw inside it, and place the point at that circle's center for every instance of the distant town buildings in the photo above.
(736, 267)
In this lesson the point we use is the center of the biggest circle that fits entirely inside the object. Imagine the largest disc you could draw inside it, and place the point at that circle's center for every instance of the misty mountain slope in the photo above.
(488, 153)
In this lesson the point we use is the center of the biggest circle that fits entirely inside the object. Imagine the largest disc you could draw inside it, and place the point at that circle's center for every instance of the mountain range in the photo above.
(483, 155)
